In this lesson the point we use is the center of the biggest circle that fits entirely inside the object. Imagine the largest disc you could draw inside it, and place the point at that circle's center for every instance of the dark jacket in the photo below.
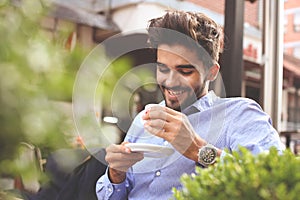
(67, 183)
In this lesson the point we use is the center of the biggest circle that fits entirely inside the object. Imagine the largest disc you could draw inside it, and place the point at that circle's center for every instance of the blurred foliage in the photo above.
(36, 74)
(124, 81)
(267, 176)
(110, 77)
(35, 71)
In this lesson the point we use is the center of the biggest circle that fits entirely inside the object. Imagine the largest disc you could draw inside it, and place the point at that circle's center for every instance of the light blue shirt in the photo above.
(227, 123)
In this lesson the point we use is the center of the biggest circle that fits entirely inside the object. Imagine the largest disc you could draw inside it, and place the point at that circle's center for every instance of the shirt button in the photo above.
(157, 173)
(110, 189)
(166, 142)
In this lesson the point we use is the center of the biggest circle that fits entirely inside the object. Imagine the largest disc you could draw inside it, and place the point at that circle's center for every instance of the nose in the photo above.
(172, 79)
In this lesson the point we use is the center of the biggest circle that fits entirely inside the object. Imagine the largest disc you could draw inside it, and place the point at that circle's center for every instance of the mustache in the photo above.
(173, 88)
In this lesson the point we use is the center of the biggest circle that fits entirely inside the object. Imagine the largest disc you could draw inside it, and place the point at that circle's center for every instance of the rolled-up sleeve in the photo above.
(106, 190)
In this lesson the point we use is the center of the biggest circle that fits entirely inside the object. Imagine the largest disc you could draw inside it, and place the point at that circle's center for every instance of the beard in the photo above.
(180, 104)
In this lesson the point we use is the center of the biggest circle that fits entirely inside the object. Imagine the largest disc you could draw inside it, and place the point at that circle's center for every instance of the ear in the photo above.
(213, 72)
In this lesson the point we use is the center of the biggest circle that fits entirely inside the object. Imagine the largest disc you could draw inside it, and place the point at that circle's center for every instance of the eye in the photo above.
(186, 71)
(162, 68)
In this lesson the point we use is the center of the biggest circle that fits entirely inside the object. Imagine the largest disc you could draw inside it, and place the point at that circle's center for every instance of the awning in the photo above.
(81, 16)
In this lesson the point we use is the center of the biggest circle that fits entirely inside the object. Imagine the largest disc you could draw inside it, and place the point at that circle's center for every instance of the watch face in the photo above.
(208, 155)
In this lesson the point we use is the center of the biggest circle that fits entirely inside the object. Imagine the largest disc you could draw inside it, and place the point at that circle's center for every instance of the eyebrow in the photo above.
(179, 66)
(186, 66)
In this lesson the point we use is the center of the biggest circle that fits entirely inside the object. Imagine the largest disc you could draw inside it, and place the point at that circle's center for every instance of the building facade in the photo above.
(95, 21)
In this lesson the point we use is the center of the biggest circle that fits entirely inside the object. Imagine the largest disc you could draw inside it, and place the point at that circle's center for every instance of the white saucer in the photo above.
(151, 150)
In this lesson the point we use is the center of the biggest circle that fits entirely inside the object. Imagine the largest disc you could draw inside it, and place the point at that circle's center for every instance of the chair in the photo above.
(30, 165)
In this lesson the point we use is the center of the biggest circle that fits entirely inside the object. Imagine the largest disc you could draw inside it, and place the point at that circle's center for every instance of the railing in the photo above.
(292, 136)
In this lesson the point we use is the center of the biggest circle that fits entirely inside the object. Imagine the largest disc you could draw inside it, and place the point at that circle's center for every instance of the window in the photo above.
(297, 22)
(296, 52)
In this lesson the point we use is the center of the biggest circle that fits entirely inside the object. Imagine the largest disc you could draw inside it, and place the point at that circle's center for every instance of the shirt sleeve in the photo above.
(252, 128)
(106, 190)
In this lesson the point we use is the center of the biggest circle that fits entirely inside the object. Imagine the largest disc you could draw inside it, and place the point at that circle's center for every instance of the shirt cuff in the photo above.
(107, 190)
(223, 154)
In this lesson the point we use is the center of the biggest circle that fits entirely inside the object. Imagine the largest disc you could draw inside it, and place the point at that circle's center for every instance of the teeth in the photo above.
(175, 92)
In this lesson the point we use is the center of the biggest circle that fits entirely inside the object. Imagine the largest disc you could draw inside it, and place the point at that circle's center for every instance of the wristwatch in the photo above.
(207, 155)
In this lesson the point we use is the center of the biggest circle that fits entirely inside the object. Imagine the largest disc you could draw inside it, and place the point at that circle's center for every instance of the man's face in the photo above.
(180, 76)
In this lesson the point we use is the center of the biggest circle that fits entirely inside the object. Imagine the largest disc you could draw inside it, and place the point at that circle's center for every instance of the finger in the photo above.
(155, 112)
(148, 108)
(158, 124)
(164, 114)
(126, 161)
(155, 131)
(116, 159)
(124, 147)
(124, 142)
(113, 148)
(171, 111)
(126, 158)
(163, 108)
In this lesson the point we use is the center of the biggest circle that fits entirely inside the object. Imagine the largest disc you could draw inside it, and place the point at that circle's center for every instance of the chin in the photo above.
(180, 106)
(172, 105)
(175, 105)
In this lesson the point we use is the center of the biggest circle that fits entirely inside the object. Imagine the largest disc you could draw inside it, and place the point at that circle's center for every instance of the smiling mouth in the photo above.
(175, 93)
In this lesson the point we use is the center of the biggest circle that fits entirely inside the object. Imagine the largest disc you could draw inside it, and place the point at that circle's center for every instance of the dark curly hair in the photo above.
(194, 26)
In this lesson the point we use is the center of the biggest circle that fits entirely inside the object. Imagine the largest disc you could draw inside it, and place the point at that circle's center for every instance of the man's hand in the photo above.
(120, 159)
(174, 127)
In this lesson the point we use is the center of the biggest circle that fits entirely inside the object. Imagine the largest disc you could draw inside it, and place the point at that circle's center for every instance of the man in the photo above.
(194, 122)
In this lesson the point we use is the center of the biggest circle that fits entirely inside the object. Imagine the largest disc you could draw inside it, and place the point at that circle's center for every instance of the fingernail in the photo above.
(127, 150)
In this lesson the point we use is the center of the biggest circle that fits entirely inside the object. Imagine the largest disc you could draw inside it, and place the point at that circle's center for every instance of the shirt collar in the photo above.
(201, 104)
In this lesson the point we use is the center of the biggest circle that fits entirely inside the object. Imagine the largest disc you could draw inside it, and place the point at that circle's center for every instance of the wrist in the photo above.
(201, 143)
(192, 152)
(219, 152)
(116, 176)
(207, 155)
